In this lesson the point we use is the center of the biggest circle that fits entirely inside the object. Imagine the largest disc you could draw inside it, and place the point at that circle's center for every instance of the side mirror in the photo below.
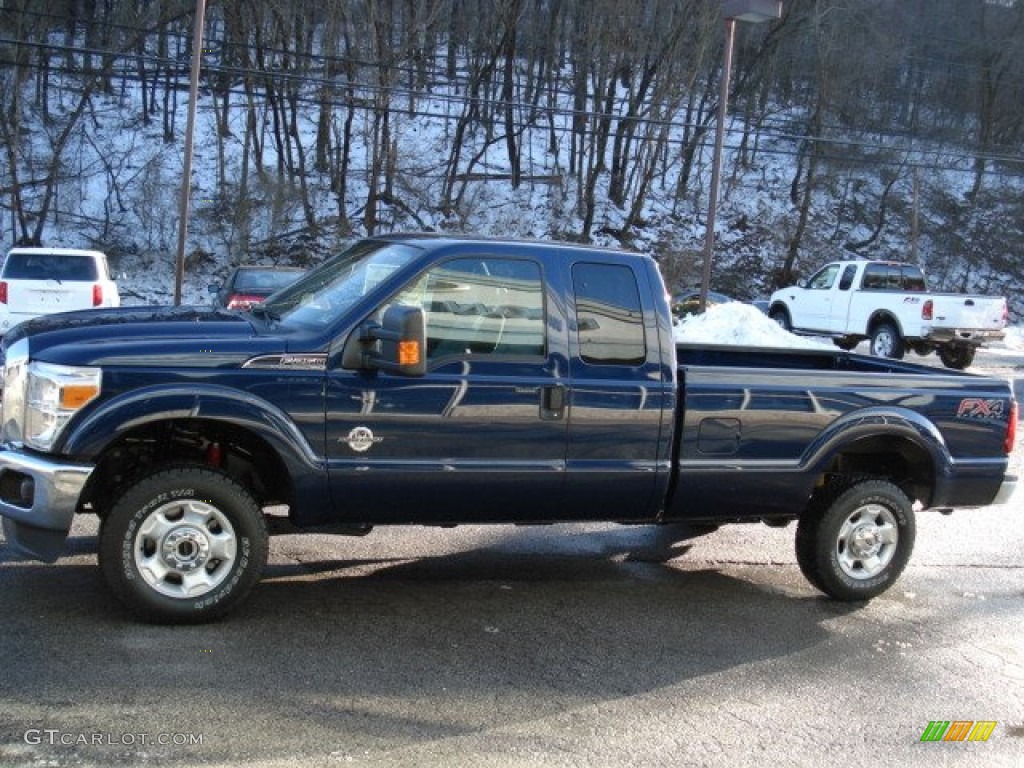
(398, 344)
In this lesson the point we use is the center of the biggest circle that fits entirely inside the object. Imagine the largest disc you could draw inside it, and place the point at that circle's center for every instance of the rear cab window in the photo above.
(609, 316)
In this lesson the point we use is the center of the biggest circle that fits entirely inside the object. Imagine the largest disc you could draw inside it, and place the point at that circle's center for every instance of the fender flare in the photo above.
(884, 421)
(97, 429)
(880, 316)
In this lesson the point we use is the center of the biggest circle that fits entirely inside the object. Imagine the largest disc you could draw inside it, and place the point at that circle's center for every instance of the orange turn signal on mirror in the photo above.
(408, 353)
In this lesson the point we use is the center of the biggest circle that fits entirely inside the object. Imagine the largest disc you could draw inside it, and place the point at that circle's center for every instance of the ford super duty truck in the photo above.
(437, 381)
(889, 303)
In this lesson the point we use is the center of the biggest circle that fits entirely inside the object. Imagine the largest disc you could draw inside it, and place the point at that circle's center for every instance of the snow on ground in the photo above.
(1014, 341)
(736, 323)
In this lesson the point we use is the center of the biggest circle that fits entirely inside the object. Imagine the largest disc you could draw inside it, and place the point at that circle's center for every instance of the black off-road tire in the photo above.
(846, 343)
(183, 545)
(957, 356)
(854, 541)
(781, 316)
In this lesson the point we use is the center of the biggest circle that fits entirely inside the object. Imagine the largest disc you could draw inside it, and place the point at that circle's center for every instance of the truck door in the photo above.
(482, 435)
(840, 309)
(622, 395)
(813, 307)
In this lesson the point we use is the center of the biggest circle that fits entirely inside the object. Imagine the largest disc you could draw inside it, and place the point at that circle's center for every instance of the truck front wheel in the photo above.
(887, 342)
(781, 316)
(183, 545)
(853, 542)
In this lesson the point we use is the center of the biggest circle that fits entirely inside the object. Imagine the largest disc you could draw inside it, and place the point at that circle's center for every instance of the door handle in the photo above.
(552, 402)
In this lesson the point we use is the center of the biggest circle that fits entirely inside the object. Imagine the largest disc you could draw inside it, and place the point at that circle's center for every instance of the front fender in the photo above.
(123, 413)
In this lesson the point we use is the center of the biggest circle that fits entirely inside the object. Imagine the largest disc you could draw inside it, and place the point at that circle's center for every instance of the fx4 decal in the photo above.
(978, 408)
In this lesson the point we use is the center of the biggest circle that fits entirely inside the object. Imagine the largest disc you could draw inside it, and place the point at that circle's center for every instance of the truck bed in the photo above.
(756, 423)
(800, 359)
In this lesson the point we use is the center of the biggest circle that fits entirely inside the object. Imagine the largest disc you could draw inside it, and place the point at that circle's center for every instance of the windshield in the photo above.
(325, 293)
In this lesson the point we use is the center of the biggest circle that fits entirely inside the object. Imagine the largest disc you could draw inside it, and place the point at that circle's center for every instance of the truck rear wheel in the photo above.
(853, 542)
(958, 356)
(887, 342)
(183, 545)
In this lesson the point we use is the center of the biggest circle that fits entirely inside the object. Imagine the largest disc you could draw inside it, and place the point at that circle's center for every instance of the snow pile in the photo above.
(1014, 338)
(736, 323)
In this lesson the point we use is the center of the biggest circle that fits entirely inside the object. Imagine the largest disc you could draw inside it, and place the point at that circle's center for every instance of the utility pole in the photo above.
(190, 129)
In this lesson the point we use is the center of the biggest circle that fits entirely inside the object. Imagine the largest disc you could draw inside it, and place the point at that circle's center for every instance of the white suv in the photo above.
(42, 281)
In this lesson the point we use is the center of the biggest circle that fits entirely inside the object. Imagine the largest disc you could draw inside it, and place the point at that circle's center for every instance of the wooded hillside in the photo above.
(876, 127)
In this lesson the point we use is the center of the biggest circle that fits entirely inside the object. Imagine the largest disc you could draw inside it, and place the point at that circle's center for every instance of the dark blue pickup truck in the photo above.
(436, 381)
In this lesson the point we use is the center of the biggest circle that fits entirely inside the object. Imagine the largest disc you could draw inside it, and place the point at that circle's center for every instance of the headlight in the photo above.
(40, 398)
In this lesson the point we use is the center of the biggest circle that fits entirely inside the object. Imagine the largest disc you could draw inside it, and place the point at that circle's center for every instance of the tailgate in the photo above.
(969, 312)
(41, 297)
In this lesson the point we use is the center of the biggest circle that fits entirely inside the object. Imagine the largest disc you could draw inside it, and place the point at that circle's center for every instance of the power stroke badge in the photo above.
(361, 439)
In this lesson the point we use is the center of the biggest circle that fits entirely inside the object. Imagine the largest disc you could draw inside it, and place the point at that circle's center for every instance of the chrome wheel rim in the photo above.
(883, 344)
(185, 548)
(867, 541)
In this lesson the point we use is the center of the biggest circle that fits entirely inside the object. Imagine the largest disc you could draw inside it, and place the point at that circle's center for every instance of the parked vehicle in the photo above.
(688, 302)
(436, 381)
(889, 303)
(42, 281)
(248, 285)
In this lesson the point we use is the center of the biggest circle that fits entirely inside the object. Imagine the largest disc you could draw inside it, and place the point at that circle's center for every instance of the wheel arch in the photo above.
(884, 317)
(247, 437)
(901, 446)
(780, 308)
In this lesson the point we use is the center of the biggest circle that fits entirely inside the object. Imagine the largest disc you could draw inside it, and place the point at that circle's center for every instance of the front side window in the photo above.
(824, 279)
(481, 306)
(609, 319)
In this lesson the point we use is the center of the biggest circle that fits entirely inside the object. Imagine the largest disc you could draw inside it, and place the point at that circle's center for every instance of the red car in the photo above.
(248, 285)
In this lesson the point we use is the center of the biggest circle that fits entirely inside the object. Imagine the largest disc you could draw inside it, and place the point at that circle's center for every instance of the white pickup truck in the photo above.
(889, 303)
(42, 281)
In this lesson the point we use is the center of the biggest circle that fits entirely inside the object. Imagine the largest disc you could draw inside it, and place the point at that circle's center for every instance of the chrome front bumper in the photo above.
(38, 499)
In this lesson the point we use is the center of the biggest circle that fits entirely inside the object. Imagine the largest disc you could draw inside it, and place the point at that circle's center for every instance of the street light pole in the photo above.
(190, 129)
(732, 10)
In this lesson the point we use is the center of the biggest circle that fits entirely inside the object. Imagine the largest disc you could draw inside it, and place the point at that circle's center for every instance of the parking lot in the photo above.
(592, 645)
(574, 646)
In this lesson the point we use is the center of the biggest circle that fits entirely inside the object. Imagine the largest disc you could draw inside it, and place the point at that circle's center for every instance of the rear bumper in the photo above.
(1006, 490)
(38, 499)
(971, 336)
